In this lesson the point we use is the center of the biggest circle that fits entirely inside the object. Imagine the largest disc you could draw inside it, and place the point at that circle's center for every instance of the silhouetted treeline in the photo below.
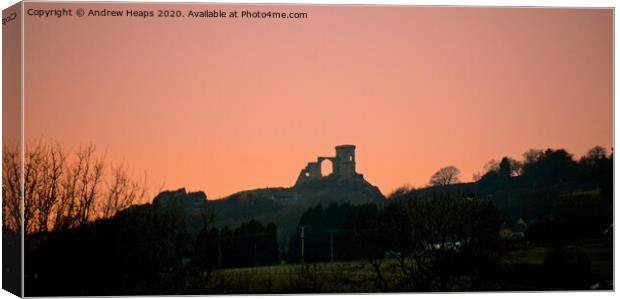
(559, 197)
(431, 242)
(123, 255)
(252, 244)
(552, 169)
(336, 227)
(142, 250)
(563, 199)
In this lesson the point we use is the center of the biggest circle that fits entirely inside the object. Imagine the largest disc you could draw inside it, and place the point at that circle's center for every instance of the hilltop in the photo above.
(284, 205)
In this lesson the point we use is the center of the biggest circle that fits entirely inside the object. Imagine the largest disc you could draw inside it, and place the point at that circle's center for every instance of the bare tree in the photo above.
(594, 155)
(81, 186)
(492, 165)
(47, 193)
(11, 187)
(436, 230)
(400, 191)
(33, 165)
(445, 176)
(122, 192)
(437, 240)
(532, 156)
(63, 191)
(90, 181)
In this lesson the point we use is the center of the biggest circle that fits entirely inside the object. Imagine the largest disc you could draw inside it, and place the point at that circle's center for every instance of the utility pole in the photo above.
(255, 259)
(302, 244)
(219, 251)
(331, 244)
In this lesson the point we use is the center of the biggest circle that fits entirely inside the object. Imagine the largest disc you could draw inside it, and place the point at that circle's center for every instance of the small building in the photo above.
(517, 229)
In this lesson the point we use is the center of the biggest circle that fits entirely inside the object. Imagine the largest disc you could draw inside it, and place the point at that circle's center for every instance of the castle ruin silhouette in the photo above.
(343, 166)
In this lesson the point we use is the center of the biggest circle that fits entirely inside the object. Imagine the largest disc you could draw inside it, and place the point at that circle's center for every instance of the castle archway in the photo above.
(327, 167)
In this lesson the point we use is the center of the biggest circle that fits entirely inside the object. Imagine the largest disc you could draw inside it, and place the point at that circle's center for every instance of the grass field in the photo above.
(359, 277)
(600, 253)
(354, 276)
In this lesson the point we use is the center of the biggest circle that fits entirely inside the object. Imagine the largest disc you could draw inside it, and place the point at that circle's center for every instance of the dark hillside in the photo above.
(284, 206)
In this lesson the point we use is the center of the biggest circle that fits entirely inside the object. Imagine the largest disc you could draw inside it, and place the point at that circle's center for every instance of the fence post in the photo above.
(302, 244)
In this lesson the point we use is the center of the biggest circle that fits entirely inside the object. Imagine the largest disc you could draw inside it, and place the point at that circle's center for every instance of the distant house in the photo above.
(517, 228)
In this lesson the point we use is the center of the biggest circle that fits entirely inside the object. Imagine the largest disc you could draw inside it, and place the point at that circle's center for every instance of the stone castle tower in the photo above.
(343, 165)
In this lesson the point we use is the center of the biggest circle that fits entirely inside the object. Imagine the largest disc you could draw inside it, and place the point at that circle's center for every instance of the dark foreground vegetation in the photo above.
(543, 223)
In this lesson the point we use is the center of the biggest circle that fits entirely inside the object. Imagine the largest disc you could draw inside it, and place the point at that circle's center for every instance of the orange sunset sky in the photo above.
(224, 105)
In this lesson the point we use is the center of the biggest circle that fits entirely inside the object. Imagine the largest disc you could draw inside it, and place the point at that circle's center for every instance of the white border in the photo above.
(510, 3)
